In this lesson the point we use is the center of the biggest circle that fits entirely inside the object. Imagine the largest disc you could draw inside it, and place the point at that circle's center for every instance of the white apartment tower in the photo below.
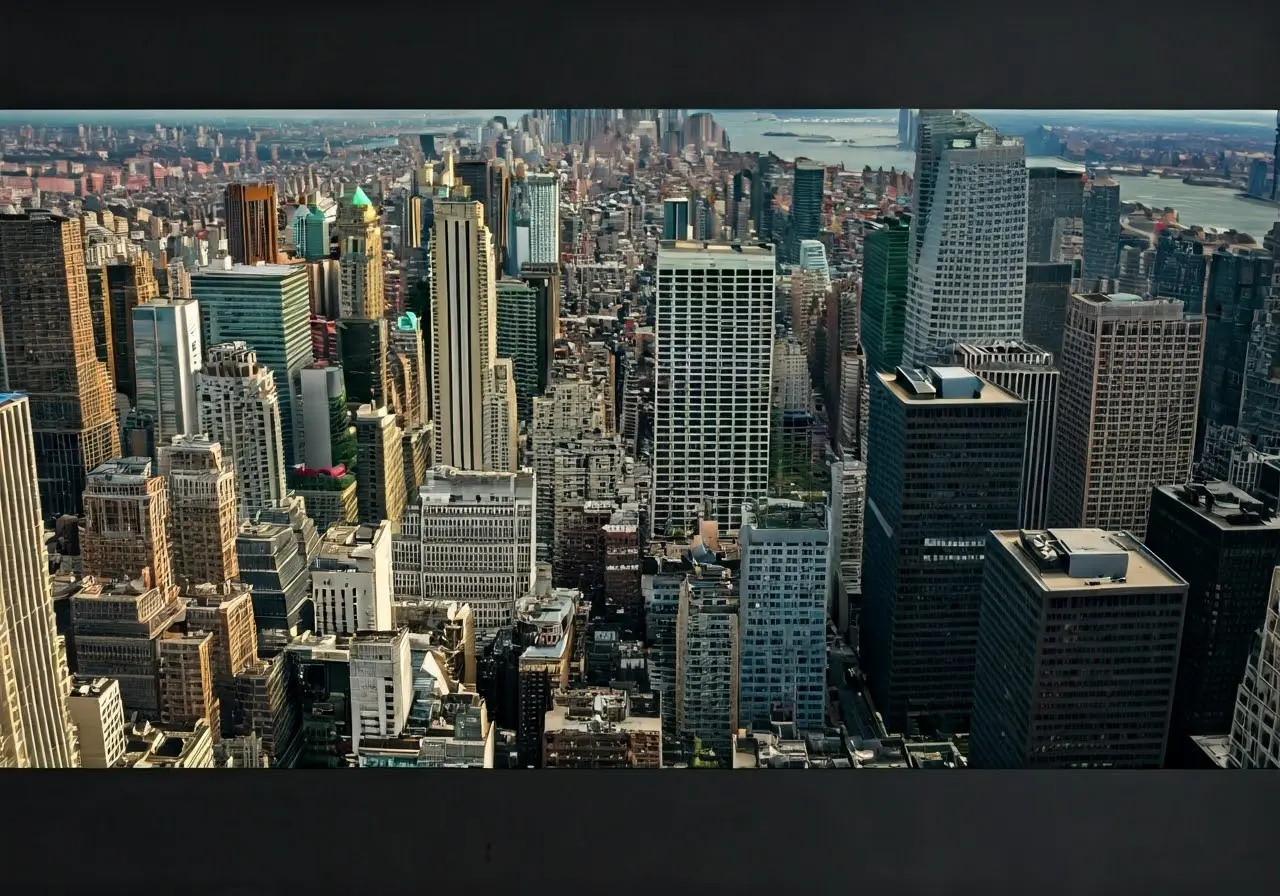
(1130, 388)
(240, 409)
(714, 356)
(98, 715)
(35, 725)
(351, 580)
(381, 684)
(544, 218)
(464, 334)
(469, 538)
(966, 276)
(166, 359)
(785, 553)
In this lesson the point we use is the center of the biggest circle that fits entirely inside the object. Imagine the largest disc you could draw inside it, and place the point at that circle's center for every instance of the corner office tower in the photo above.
(944, 467)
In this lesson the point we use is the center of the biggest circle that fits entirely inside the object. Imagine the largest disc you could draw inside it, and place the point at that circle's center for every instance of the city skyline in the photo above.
(640, 438)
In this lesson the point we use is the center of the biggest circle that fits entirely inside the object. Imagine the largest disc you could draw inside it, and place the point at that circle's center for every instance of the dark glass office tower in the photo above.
(1238, 285)
(1055, 196)
(1179, 271)
(884, 291)
(944, 467)
(1045, 311)
(1227, 547)
(272, 565)
(806, 205)
(1101, 231)
(1077, 651)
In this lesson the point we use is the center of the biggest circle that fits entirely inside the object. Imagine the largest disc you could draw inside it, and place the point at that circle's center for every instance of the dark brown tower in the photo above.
(253, 228)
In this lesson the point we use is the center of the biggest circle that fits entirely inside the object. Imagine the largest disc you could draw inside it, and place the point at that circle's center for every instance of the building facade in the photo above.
(36, 729)
(941, 431)
(1129, 389)
(715, 308)
(1077, 652)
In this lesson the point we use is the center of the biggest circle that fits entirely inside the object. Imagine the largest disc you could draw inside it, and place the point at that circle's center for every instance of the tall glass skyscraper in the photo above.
(884, 292)
(1101, 231)
(266, 306)
(167, 356)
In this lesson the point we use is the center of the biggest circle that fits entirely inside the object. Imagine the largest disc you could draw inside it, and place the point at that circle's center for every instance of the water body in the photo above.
(875, 144)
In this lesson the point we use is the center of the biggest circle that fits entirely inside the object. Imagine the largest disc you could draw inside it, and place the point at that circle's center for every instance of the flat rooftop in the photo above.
(783, 513)
(1222, 504)
(716, 248)
(903, 390)
(249, 270)
(1069, 560)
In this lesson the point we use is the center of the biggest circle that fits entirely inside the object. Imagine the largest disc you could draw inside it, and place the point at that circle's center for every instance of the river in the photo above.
(876, 145)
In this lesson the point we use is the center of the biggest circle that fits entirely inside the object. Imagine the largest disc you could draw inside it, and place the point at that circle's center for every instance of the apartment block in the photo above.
(602, 729)
(351, 580)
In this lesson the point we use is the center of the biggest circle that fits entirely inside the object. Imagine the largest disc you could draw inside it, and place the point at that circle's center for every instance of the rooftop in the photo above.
(716, 248)
(1068, 560)
(123, 467)
(261, 269)
(781, 513)
(1223, 505)
(945, 386)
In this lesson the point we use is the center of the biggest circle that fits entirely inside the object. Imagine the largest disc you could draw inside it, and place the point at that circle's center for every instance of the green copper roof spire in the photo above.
(358, 198)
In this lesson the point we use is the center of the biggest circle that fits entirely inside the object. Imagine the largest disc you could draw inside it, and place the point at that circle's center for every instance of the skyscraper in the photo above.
(240, 408)
(1077, 651)
(806, 204)
(785, 551)
(35, 724)
(1055, 209)
(167, 357)
(464, 332)
(48, 353)
(129, 284)
(1045, 313)
(351, 580)
(934, 433)
(266, 306)
(967, 281)
(126, 524)
(519, 225)
(360, 257)
(1028, 372)
(522, 337)
(1239, 282)
(202, 509)
(1180, 269)
(715, 308)
(708, 659)
(253, 227)
(1227, 547)
(846, 516)
(884, 291)
(492, 514)
(380, 492)
(1255, 730)
(544, 218)
(675, 218)
(1126, 409)
(1101, 231)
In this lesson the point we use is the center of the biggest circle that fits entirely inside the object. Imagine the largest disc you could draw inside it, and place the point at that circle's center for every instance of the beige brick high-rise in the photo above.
(47, 351)
(1129, 390)
(202, 506)
(126, 525)
(35, 724)
(187, 692)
